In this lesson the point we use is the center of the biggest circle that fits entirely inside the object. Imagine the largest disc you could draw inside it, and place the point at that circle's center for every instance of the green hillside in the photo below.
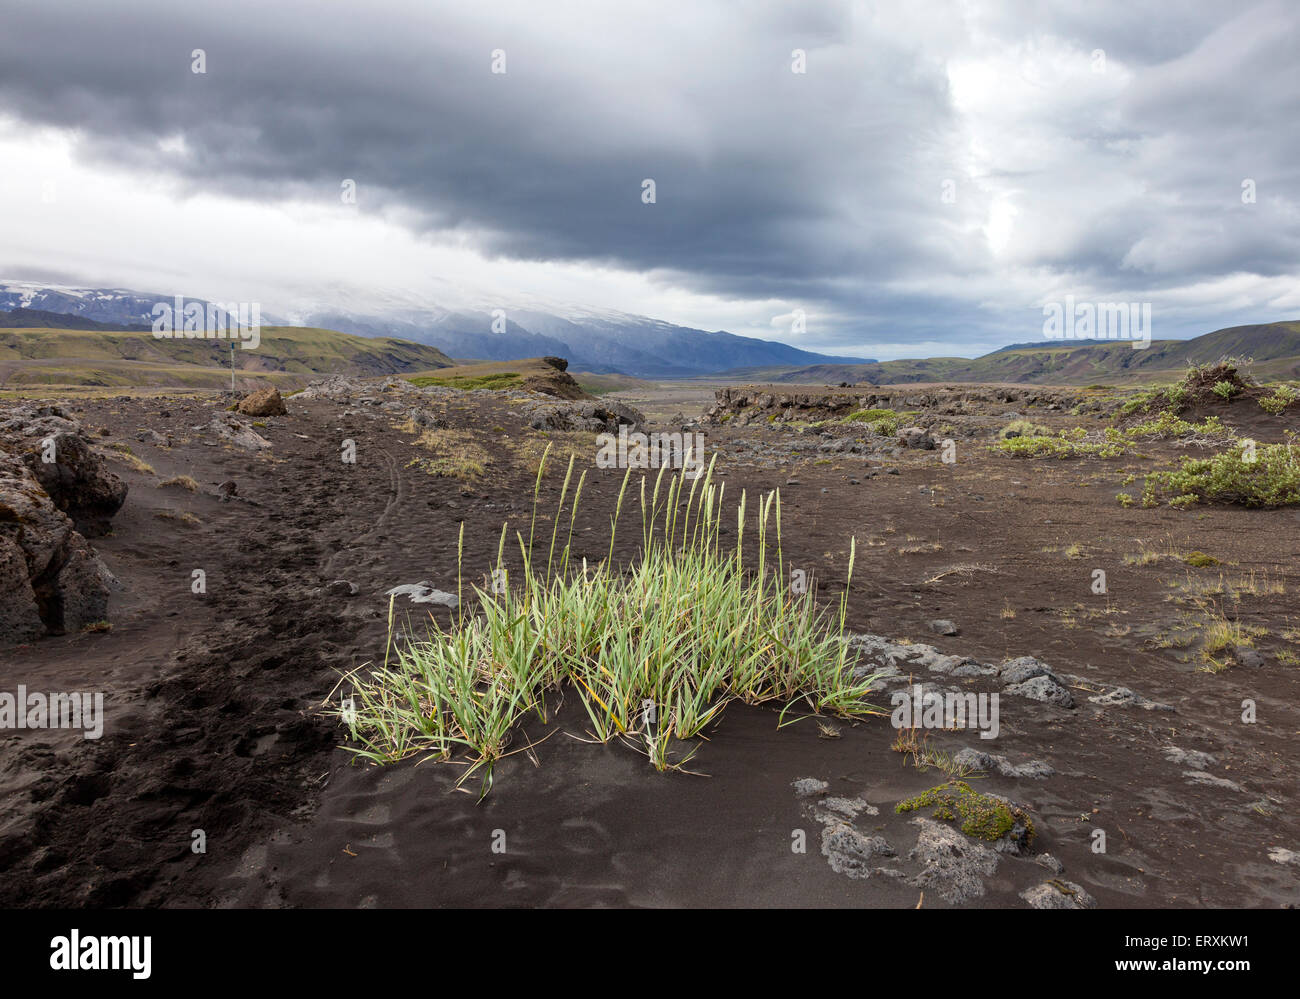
(1275, 348)
(289, 355)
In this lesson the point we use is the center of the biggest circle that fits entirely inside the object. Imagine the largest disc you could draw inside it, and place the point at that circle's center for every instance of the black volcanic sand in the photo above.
(213, 700)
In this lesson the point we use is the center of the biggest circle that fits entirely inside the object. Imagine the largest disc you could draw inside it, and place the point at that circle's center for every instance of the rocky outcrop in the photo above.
(60, 457)
(917, 438)
(52, 580)
(777, 404)
(263, 402)
(604, 416)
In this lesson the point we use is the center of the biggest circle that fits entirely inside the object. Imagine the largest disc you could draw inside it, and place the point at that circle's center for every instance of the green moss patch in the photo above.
(982, 816)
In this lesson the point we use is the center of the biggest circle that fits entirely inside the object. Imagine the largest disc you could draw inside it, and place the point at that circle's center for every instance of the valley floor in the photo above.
(214, 700)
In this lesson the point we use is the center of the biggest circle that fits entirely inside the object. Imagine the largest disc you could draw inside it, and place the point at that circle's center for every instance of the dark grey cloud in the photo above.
(821, 189)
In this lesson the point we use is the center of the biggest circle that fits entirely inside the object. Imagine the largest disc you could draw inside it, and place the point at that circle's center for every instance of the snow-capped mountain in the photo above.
(114, 306)
(591, 340)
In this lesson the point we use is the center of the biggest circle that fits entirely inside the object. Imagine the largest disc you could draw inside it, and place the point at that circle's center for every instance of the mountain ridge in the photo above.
(599, 342)
(1273, 347)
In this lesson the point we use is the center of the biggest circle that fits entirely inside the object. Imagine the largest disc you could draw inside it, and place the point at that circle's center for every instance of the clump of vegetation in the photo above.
(183, 516)
(1172, 398)
(1076, 443)
(1023, 428)
(1200, 560)
(915, 742)
(1210, 375)
(456, 456)
(124, 454)
(1264, 475)
(982, 815)
(1283, 396)
(654, 652)
(1201, 383)
(881, 421)
(1124, 499)
(1209, 431)
(1221, 638)
(180, 482)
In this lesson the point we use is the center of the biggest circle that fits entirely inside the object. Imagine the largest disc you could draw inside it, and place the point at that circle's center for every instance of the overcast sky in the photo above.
(939, 173)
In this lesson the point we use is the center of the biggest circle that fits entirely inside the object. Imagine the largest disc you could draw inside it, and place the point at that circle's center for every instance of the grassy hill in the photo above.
(1275, 348)
(287, 355)
(533, 373)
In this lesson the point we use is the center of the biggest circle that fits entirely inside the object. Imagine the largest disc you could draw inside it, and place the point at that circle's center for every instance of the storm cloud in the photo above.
(938, 172)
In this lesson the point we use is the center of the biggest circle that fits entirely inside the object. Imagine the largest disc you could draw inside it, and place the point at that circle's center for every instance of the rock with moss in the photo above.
(981, 816)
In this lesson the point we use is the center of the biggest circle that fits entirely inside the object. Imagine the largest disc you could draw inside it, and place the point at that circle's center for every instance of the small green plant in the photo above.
(1225, 390)
(1283, 396)
(1124, 499)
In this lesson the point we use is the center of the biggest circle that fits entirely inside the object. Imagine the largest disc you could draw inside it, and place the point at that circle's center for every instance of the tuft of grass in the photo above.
(915, 743)
(180, 482)
(654, 651)
(456, 455)
(181, 515)
(127, 457)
